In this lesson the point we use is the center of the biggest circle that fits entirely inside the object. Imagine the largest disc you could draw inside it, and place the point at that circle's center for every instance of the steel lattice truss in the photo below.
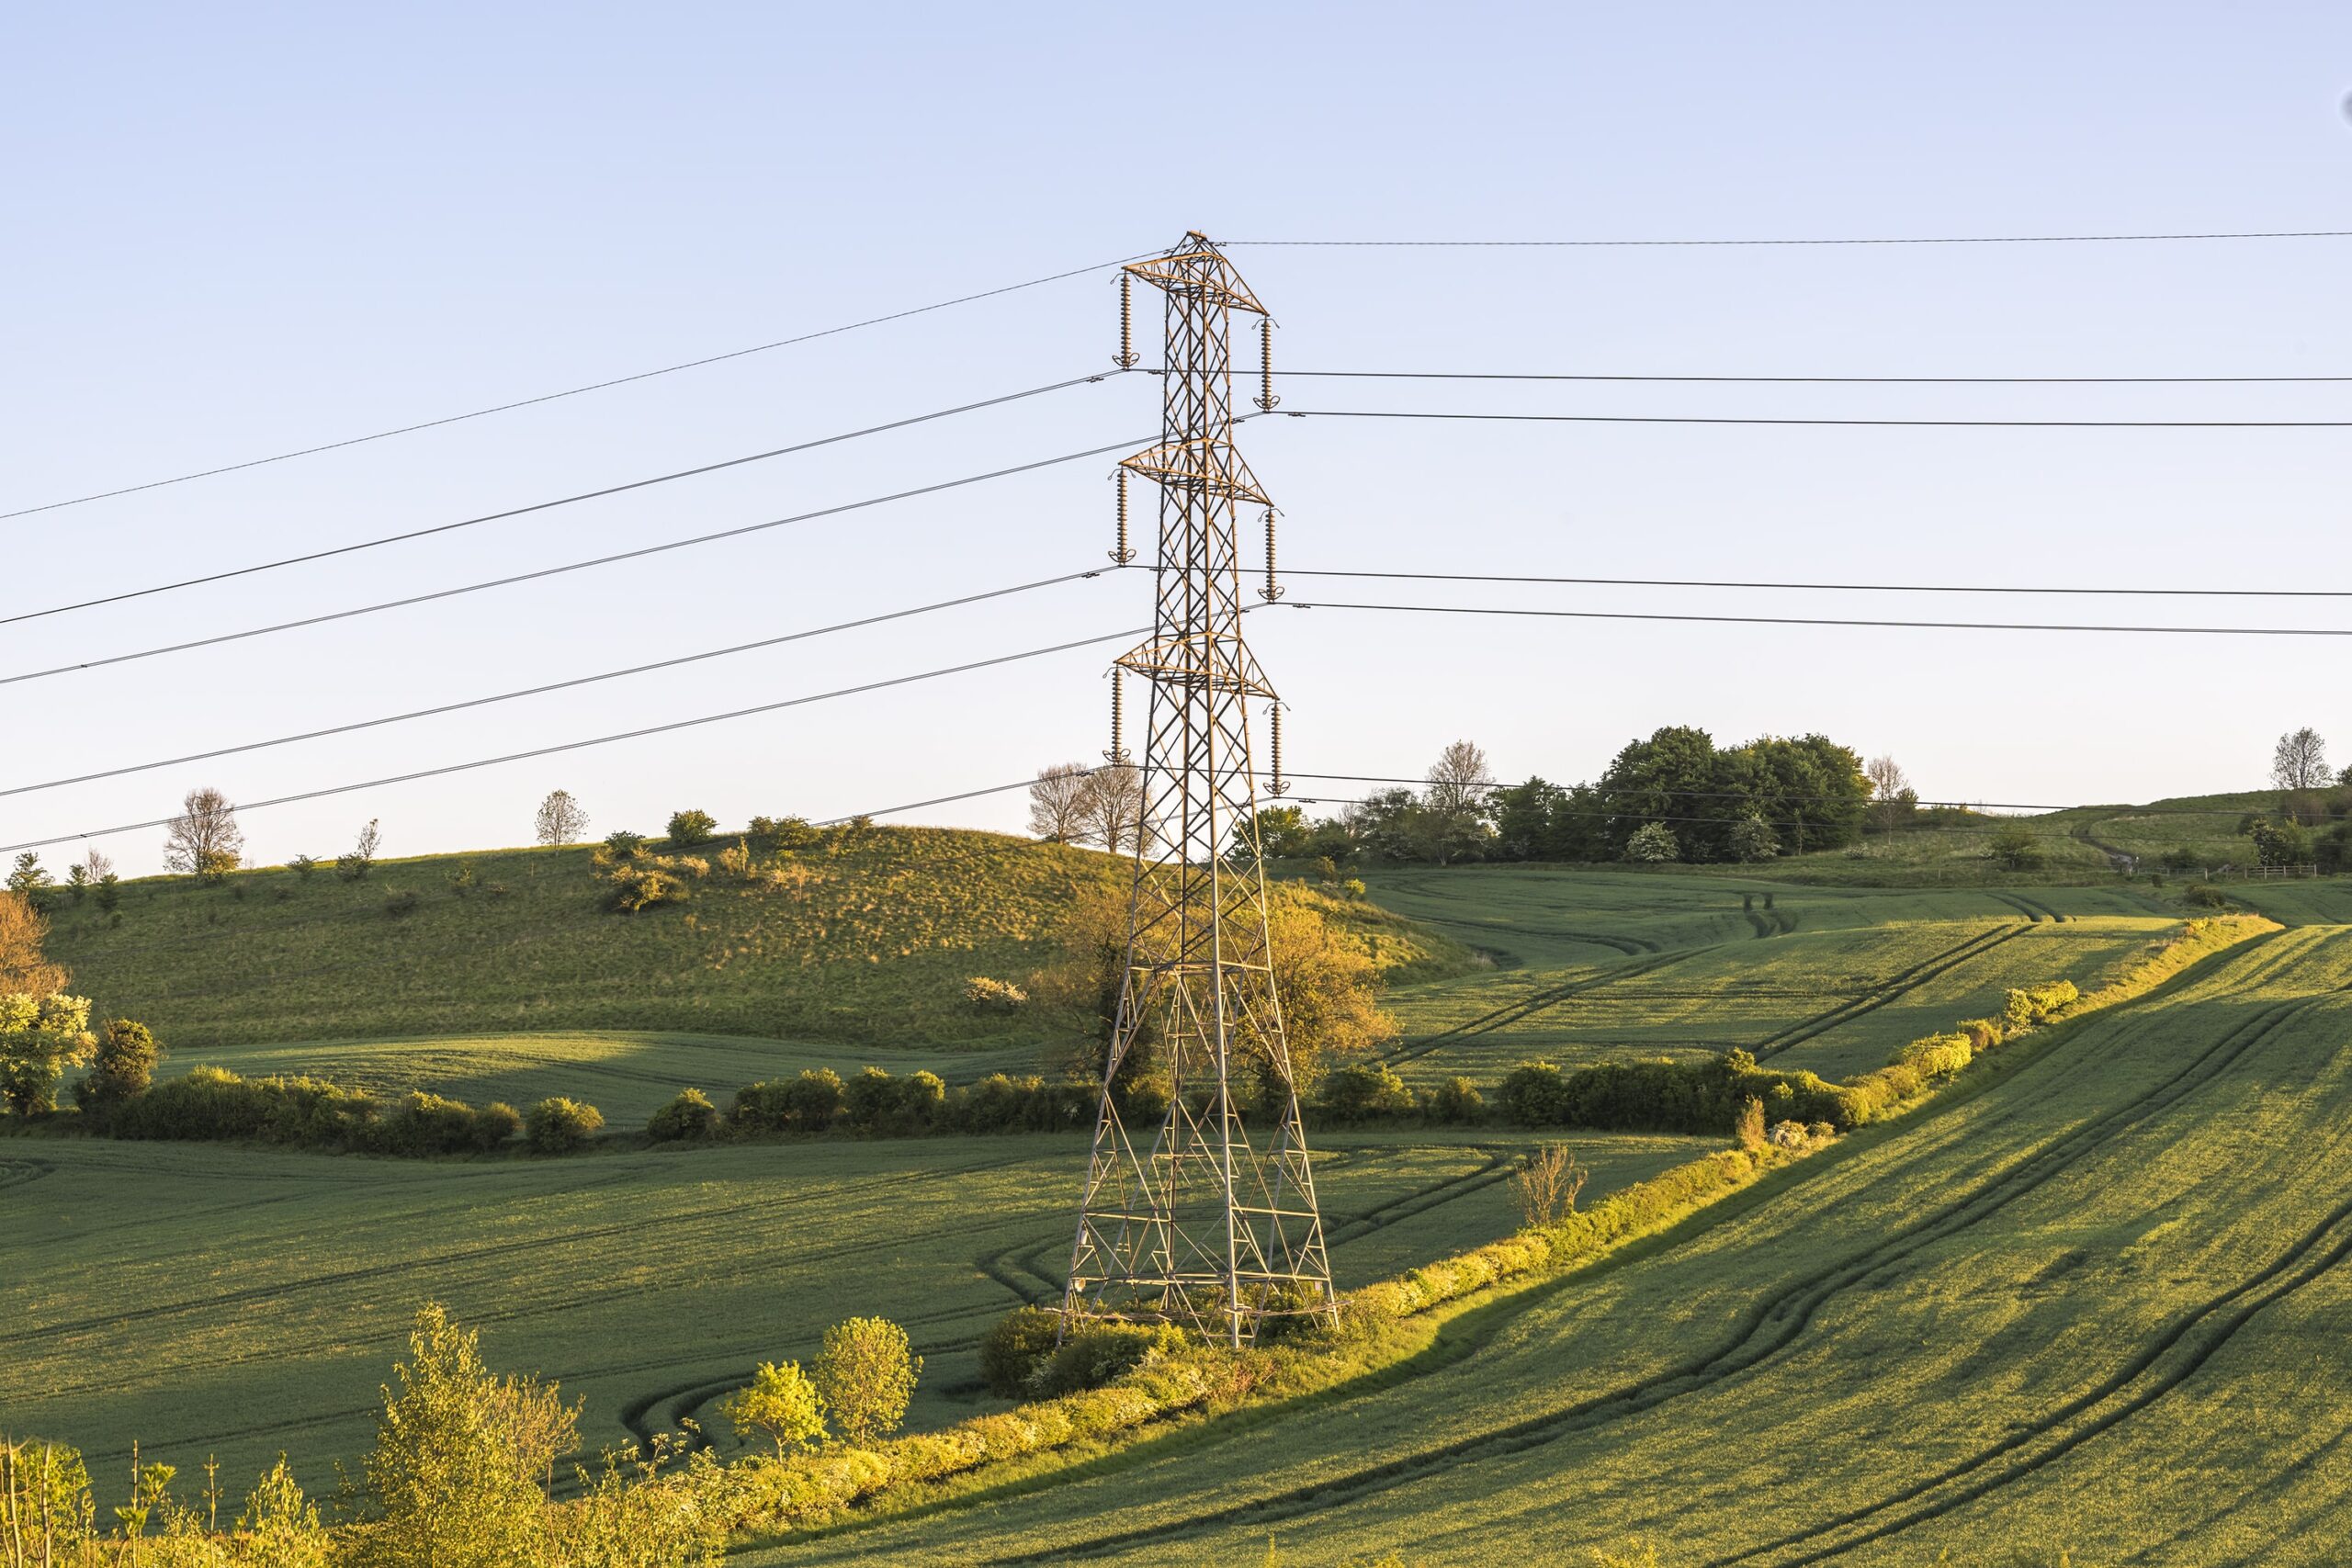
(1186, 1220)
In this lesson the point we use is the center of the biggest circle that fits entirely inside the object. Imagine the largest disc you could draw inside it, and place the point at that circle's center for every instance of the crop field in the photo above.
(627, 1075)
(2096, 1301)
(1834, 980)
(238, 1301)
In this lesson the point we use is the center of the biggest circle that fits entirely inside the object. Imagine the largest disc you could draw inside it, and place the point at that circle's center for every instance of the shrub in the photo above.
(464, 880)
(40, 1036)
(1012, 1351)
(558, 1125)
(427, 1124)
(690, 1115)
(1653, 842)
(303, 865)
(1457, 1103)
(640, 884)
(494, 1123)
(1749, 1128)
(1938, 1056)
(690, 827)
(807, 1104)
(121, 1068)
(355, 862)
(2037, 1004)
(871, 1101)
(736, 859)
(2205, 896)
(866, 1376)
(621, 844)
(402, 902)
(1547, 1183)
(1362, 1090)
(994, 996)
(1095, 1353)
(2180, 857)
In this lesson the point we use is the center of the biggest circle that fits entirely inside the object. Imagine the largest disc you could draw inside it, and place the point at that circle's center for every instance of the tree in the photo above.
(203, 838)
(22, 965)
(28, 879)
(2299, 761)
(2281, 844)
(561, 819)
(1111, 806)
(1057, 803)
(39, 1038)
(1328, 989)
(122, 1066)
(1653, 842)
(1458, 781)
(280, 1526)
(691, 826)
(354, 863)
(781, 1403)
(2015, 846)
(1280, 831)
(463, 1457)
(1547, 1184)
(1891, 797)
(866, 1375)
(1752, 840)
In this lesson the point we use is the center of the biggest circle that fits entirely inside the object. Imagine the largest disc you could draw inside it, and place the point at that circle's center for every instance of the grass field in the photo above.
(868, 941)
(240, 1302)
(2095, 1303)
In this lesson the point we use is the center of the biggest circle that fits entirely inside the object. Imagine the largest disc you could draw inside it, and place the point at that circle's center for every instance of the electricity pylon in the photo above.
(1186, 1220)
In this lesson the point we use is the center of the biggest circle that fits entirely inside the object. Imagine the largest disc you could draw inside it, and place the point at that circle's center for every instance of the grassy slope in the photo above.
(868, 945)
(268, 1293)
(2090, 1304)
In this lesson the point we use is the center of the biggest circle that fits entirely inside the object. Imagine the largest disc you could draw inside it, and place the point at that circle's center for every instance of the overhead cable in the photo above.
(1824, 587)
(548, 505)
(570, 391)
(601, 739)
(1817, 380)
(1834, 240)
(1826, 621)
(550, 686)
(1758, 419)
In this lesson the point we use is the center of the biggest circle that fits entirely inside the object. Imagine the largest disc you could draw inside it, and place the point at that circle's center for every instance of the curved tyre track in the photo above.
(1927, 969)
(1769, 1325)
(1526, 1007)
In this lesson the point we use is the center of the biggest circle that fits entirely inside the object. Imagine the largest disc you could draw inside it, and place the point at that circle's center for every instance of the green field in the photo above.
(238, 1301)
(2094, 1305)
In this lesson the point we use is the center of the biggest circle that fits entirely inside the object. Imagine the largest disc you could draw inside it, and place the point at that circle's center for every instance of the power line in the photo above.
(548, 505)
(1896, 240)
(1820, 380)
(601, 739)
(568, 566)
(1824, 587)
(1828, 621)
(550, 686)
(1723, 794)
(1753, 419)
(567, 392)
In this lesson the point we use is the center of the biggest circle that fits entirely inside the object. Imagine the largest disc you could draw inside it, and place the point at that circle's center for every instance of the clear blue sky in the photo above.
(235, 230)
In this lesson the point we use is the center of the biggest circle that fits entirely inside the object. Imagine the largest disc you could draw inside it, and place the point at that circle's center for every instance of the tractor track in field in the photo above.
(1769, 1325)
(1526, 1007)
(17, 1172)
(1629, 945)
(1920, 973)
(2197, 1334)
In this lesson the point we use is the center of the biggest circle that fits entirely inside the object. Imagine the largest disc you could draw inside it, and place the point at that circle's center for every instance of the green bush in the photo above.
(1011, 1351)
(2205, 896)
(691, 1115)
(495, 1123)
(1363, 1091)
(1457, 1103)
(691, 826)
(558, 1125)
(1096, 1353)
(121, 1068)
(402, 902)
(2028, 1006)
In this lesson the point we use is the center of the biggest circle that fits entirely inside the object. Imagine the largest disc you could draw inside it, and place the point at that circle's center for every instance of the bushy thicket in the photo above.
(1663, 1096)
(877, 1103)
(213, 1104)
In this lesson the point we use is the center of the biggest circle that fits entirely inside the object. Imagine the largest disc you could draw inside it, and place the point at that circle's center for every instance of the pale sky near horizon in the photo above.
(239, 230)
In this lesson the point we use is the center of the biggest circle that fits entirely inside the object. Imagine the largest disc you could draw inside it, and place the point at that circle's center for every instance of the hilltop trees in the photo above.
(1057, 806)
(203, 838)
(2299, 761)
(561, 819)
(1111, 806)
(1893, 800)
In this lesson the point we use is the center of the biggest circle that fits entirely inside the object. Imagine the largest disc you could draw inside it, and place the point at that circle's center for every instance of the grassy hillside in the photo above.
(866, 941)
(2094, 1305)
(239, 1301)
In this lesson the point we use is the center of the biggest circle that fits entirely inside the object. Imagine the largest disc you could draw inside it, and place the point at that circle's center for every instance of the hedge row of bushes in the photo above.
(213, 1104)
(876, 1103)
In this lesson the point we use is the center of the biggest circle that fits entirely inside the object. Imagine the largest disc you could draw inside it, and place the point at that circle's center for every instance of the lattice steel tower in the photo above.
(1187, 1220)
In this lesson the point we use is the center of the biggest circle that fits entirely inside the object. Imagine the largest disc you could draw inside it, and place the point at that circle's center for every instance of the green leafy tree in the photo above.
(1653, 842)
(2016, 846)
(691, 826)
(2281, 844)
(558, 1125)
(463, 1457)
(781, 1405)
(1752, 840)
(40, 1036)
(28, 879)
(120, 1068)
(865, 1374)
(280, 1526)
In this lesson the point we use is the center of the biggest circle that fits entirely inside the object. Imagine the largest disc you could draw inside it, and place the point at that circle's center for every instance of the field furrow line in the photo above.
(1910, 979)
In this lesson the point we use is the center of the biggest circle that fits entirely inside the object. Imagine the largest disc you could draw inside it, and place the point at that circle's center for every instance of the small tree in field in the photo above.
(360, 859)
(866, 1376)
(120, 1068)
(561, 819)
(1111, 806)
(781, 1405)
(2299, 761)
(1653, 842)
(1547, 1184)
(28, 878)
(691, 826)
(1057, 803)
(1891, 797)
(203, 838)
